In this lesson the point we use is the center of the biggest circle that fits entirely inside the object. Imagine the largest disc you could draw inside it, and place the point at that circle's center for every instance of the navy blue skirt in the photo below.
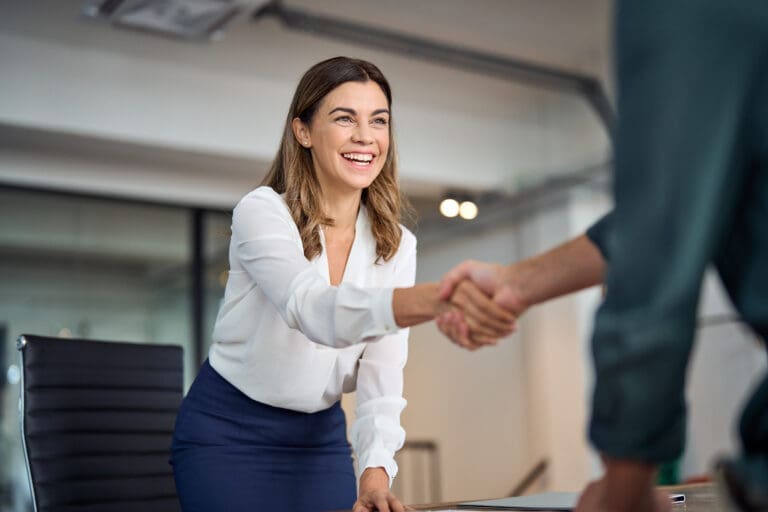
(231, 453)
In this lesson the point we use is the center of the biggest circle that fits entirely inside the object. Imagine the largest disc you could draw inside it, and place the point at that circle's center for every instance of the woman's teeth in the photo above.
(358, 157)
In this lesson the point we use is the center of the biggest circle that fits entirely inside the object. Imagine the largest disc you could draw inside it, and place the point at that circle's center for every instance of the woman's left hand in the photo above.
(374, 493)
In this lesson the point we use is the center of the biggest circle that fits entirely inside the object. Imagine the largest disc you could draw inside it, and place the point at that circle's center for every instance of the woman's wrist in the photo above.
(417, 304)
(373, 479)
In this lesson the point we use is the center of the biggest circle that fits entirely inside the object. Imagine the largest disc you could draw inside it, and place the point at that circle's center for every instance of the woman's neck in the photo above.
(343, 209)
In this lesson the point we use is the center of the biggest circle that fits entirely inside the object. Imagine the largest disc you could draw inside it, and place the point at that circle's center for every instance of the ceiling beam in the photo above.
(507, 68)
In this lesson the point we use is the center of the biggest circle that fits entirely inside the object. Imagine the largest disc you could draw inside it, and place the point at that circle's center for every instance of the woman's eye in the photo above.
(381, 121)
(344, 119)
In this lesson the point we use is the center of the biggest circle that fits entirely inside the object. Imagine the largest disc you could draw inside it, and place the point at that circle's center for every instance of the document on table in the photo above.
(545, 501)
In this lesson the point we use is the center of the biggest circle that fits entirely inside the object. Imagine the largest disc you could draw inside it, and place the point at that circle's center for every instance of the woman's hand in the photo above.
(374, 493)
(473, 318)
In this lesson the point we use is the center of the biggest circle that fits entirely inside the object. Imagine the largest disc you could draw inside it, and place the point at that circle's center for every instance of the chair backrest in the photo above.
(97, 420)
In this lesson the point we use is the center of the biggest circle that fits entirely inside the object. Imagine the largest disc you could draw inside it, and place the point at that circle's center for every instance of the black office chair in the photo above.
(97, 419)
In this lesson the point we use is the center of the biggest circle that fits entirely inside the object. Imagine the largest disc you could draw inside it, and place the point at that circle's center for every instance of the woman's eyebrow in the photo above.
(343, 109)
(354, 112)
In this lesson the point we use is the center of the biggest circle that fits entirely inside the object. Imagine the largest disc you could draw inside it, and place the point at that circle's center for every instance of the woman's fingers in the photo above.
(378, 501)
(452, 324)
(461, 331)
(394, 504)
(484, 340)
(381, 502)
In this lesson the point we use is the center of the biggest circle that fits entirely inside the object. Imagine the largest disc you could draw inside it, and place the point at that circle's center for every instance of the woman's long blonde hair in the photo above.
(292, 171)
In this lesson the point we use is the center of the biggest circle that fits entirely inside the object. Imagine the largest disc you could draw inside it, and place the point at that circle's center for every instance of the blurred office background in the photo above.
(122, 152)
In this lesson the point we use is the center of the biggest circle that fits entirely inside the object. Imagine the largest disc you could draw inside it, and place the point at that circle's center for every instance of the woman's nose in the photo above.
(362, 134)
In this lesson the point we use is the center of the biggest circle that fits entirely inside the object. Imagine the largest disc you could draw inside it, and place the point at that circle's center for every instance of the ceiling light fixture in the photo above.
(449, 207)
(458, 204)
(468, 210)
(187, 19)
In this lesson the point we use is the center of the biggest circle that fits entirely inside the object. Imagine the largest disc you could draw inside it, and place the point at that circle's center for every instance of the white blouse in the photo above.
(285, 337)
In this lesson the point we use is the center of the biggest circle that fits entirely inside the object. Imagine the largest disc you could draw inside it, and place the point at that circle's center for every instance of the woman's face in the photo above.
(348, 136)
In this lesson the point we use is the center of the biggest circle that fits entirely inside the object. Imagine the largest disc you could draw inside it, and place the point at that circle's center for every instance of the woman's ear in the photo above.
(301, 132)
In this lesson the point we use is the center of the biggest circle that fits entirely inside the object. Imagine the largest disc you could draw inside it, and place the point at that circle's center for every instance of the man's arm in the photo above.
(572, 266)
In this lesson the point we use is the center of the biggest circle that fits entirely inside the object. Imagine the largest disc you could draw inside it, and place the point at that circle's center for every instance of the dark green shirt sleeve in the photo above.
(678, 181)
(598, 234)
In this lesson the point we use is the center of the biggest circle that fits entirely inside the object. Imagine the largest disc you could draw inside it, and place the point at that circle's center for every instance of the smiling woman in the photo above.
(348, 137)
(340, 113)
(320, 290)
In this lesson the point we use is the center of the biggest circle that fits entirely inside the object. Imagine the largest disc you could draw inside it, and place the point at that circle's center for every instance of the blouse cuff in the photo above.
(376, 434)
(364, 314)
(379, 458)
(383, 311)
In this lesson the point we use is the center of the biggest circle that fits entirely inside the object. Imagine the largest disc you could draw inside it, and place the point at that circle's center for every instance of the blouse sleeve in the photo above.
(264, 237)
(376, 433)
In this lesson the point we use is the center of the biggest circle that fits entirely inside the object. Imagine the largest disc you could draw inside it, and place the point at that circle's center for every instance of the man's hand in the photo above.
(495, 281)
(374, 493)
(626, 486)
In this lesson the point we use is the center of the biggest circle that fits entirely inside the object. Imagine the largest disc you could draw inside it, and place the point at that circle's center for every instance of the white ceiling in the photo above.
(455, 129)
(563, 33)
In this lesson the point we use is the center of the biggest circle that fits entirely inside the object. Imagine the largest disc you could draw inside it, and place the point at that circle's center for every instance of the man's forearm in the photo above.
(572, 266)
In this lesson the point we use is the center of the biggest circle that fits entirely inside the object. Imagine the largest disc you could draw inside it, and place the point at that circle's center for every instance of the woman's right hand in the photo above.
(472, 319)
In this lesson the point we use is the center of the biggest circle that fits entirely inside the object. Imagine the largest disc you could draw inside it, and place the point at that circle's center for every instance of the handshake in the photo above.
(479, 304)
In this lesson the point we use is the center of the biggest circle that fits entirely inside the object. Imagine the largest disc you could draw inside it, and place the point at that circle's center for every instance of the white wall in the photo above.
(557, 335)
(472, 404)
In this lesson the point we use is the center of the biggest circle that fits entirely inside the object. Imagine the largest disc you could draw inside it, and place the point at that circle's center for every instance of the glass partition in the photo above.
(217, 231)
(84, 267)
